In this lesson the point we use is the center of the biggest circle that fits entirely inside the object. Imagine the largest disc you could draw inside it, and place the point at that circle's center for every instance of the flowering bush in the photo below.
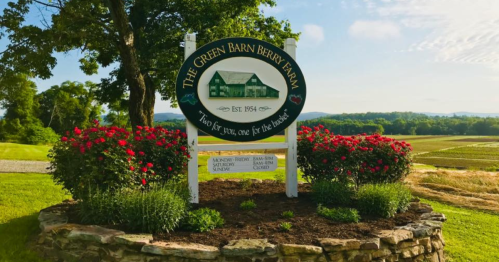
(113, 158)
(360, 159)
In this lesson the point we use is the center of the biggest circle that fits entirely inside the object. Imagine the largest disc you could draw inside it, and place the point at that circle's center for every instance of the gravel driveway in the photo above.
(21, 166)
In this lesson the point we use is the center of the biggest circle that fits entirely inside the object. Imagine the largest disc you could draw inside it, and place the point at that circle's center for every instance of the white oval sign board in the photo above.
(238, 164)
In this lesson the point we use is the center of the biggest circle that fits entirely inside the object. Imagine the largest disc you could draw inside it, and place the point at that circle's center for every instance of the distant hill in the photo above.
(464, 114)
(160, 117)
(311, 115)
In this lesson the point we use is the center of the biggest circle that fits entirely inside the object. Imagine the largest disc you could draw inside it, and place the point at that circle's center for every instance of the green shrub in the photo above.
(36, 134)
(285, 226)
(383, 200)
(159, 209)
(102, 207)
(361, 159)
(203, 220)
(287, 214)
(404, 197)
(340, 214)
(332, 192)
(248, 205)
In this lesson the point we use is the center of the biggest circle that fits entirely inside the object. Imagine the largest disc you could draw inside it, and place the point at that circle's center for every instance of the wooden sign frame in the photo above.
(290, 144)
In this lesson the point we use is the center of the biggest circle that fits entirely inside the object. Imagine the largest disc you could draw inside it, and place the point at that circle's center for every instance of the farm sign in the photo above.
(235, 164)
(241, 89)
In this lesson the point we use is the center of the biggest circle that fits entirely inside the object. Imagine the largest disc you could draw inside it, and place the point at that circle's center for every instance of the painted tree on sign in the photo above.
(140, 38)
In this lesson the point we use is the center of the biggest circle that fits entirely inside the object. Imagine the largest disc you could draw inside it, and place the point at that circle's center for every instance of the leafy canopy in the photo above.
(158, 28)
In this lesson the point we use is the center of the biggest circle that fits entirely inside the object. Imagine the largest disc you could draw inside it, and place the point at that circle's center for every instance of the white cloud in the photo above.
(374, 29)
(312, 34)
(462, 31)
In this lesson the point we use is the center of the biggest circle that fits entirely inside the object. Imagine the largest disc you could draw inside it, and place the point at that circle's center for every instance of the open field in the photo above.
(471, 189)
(476, 156)
(11, 151)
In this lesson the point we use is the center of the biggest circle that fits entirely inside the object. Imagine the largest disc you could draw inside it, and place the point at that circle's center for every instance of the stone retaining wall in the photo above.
(60, 241)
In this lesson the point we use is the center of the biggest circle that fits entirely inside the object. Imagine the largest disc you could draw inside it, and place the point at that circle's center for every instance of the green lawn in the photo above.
(22, 196)
(469, 235)
(11, 151)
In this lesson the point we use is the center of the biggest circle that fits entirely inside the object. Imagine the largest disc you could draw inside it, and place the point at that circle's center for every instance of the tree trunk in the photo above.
(134, 77)
(150, 99)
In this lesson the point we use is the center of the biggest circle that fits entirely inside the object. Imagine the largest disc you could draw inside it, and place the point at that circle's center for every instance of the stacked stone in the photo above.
(60, 241)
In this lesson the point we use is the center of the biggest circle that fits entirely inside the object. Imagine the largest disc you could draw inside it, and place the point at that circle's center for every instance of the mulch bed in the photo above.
(263, 222)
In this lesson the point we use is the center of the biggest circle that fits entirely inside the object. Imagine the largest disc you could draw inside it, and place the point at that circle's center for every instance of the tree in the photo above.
(117, 115)
(16, 97)
(141, 37)
(68, 105)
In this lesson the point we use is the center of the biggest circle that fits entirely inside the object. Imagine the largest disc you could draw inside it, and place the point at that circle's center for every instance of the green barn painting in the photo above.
(226, 84)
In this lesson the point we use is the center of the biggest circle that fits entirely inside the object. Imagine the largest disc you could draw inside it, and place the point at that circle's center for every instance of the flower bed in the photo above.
(252, 235)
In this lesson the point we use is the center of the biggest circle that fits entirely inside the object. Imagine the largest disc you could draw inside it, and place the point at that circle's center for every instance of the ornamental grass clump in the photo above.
(340, 214)
(360, 159)
(114, 158)
(159, 209)
(332, 193)
(383, 200)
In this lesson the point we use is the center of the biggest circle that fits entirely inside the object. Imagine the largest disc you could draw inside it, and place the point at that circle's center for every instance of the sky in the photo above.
(438, 56)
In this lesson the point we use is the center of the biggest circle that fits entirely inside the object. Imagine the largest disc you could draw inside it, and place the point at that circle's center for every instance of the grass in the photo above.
(477, 156)
(477, 183)
(472, 189)
(469, 235)
(22, 196)
(11, 151)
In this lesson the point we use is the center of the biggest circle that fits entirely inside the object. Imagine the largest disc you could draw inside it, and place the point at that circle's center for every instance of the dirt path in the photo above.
(21, 166)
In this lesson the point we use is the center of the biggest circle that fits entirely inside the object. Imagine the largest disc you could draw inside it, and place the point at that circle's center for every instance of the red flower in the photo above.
(343, 158)
(132, 168)
(122, 142)
(380, 161)
(102, 140)
(144, 181)
(183, 148)
(170, 168)
(141, 153)
(349, 172)
(336, 169)
(149, 165)
(385, 168)
(324, 161)
(100, 158)
(130, 152)
(82, 150)
(396, 160)
(144, 169)
(77, 131)
(64, 139)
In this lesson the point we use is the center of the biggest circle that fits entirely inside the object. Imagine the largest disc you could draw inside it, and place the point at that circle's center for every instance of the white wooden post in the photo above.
(290, 133)
(192, 132)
